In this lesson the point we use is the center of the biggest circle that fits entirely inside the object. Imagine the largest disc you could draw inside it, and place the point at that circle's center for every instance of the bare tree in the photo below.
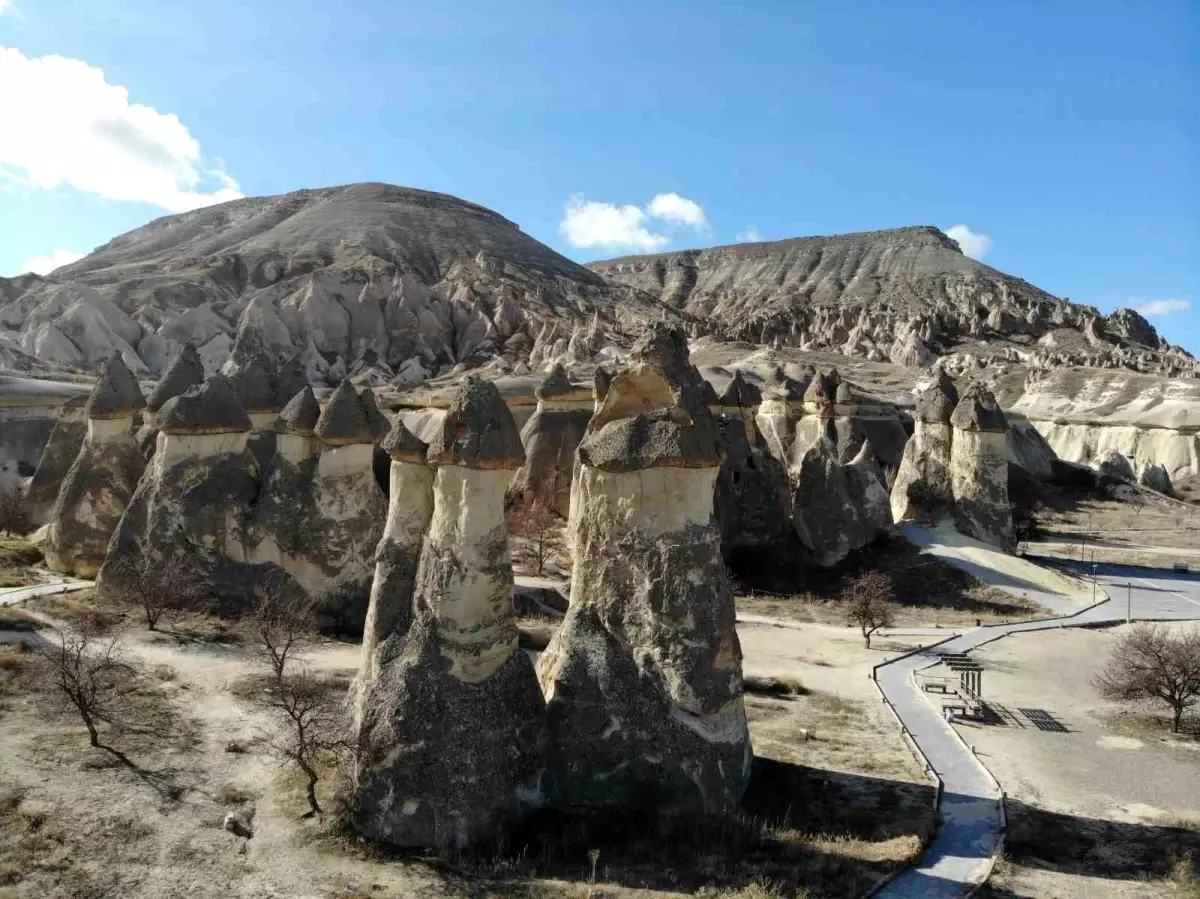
(928, 502)
(157, 587)
(87, 671)
(868, 603)
(283, 623)
(538, 527)
(311, 729)
(13, 519)
(1152, 664)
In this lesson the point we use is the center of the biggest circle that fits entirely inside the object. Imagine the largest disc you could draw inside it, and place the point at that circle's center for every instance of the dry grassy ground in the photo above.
(825, 816)
(17, 558)
(927, 592)
(1103, 801)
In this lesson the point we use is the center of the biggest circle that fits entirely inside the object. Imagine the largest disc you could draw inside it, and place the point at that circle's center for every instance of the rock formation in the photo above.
(643, 680)
(103, 477)
(550, 437)
(193, 504)
(59, 452)
(185, 371)
(1156, 478)
(979, 468)
(868, 490)
(752, 501)
(320, 516)
(1116, 465)
(824, 512)
(922, 484)
(454, 777)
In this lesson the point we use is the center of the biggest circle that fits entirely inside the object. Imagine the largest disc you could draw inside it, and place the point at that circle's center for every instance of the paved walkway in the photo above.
(960, 857)
(10, 595)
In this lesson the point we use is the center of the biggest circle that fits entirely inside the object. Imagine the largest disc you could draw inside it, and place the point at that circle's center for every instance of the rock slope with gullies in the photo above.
(408, 279)
(905, 295)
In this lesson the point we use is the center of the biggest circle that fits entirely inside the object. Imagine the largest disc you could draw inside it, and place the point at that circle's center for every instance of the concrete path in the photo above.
(10, 595)
(960, 858)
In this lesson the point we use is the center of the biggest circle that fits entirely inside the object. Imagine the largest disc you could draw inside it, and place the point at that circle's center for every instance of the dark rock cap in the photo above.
(290, 381)
(344, 420)
(709, 392)
(938, 400)
(212, 408)
(844, 394)
(978, 410)
(654, 414)
(379, 423)
(823, 388)
(780, 386)
(185, 371)
(403, 445)
(740, 392)
(116, 393)
(478, 431)
(556, 383)
(254, 381)
(301, 414)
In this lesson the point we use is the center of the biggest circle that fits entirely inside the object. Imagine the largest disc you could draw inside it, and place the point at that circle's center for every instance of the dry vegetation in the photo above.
(17, 558)
(925, 592)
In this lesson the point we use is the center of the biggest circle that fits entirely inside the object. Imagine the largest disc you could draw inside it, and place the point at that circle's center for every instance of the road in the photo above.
(969, 832)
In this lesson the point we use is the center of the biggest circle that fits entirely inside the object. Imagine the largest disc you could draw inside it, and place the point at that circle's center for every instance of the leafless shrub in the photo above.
(776, 685)
(868, 603)
(311, 731)
(539, 529)
(89, 675)
(157, 587)
(13, 518)
(1152, 664)
(282, 624)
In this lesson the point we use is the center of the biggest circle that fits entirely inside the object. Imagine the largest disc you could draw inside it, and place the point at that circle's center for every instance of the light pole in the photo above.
(1129, 602)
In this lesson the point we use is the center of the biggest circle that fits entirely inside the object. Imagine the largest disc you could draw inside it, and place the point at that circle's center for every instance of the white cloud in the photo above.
(974, 245)
(65, 124)
(678, 210)
(591, 224)
(750, 235)
(44, 265)
(1163, 307)
(3, 5)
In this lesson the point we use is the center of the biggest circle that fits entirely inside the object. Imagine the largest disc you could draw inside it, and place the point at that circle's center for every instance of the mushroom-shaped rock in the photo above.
(550, 438)
(922, 485)
(775, 420)
(823, 511)
(753, 505)
(643, 680)
(322, 510)
(103, 477)
(296, 427)
(192, 505)
(454, 777)
(185, 371)
(376, 420)
(979, 467)
(290, 380)
(390, 611)
(1155, 477)
(62, 446)
(740, 399)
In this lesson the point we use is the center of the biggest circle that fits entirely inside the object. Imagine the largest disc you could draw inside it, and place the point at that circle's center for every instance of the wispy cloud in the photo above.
(974, 245)
(64, 124)
(589, 224)
(4, 4)
(44, 265)
(1162, 307)
(750, 235)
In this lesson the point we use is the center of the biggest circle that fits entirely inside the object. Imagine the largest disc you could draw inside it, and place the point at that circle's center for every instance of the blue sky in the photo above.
(1065, 132)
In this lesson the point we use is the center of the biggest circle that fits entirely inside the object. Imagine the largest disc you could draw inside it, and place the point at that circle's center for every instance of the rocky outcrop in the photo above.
(550, 437)
(455, 777)
(1027, 448)
(103, 477)
(1156, 478)
(824, 513)
(868, 490)
(320, 516)
(185, 372)
(57, 456)
(979, 468)
(643, 680)
(922, 484)
(752, 501)
(1116, 465)
(193, 504)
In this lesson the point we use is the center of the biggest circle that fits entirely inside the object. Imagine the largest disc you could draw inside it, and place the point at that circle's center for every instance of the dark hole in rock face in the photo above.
(737, 477)
(751, 464)
(24, 469)
(381, 467)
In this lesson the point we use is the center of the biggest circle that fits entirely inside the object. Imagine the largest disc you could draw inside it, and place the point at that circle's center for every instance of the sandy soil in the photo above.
(1102, 801)
(838, 810)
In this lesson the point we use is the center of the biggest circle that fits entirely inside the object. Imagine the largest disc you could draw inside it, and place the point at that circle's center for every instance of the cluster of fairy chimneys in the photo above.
(242, 474)
(636, 703)
(956, 464)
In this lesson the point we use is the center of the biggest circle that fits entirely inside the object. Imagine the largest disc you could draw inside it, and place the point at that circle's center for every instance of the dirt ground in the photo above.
(1102, 801)
(17, 558)
(835, 802)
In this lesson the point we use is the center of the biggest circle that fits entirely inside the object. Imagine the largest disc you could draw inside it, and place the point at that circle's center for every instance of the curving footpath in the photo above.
(11, 595)
(960, 858)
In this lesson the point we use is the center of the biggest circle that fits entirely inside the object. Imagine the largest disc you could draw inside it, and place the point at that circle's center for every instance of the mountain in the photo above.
(398, 285)
(903, 295)
(366, 270)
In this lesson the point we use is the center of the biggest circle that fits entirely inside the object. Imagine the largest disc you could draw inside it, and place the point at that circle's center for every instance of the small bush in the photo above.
(781, 685)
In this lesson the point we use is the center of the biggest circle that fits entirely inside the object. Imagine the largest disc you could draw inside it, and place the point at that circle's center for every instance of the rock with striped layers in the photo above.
(643, 680)
(449, 736)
